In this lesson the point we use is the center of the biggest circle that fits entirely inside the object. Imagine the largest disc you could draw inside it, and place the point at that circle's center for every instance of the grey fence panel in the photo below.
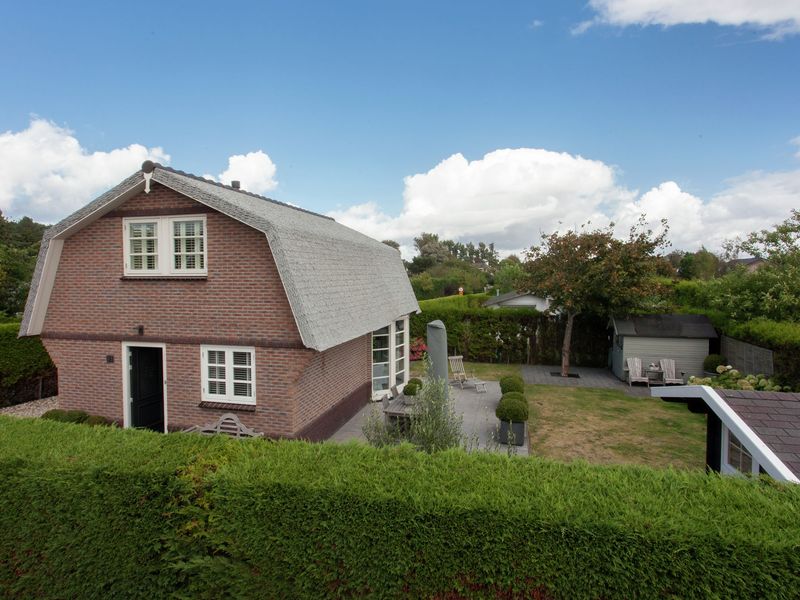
(747, 358)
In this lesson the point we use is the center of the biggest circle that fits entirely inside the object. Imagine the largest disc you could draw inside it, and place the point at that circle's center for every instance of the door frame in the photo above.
(126, 383)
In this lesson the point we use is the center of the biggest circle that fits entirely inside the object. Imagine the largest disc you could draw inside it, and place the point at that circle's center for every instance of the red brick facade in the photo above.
(94, 308)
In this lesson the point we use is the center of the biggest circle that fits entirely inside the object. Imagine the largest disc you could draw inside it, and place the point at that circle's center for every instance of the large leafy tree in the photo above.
(592, 271)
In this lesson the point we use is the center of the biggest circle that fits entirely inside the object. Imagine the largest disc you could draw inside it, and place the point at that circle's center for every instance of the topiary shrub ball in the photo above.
(410, 389)
(512, 383)
(512, 409)
(416, 380)
(514, 395)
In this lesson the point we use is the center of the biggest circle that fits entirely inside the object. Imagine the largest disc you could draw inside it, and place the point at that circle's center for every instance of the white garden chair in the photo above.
(635, 374)
(668, 367)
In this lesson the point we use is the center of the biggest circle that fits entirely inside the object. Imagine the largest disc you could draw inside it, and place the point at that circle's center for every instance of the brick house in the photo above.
(170, 300)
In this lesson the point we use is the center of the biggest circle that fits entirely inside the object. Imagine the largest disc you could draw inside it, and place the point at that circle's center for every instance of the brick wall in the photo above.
(93, 308)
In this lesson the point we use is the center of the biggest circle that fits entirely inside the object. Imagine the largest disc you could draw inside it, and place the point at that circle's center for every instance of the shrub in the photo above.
(712, 361)
(512, 409)
(410, 389)
(511, 383)
(21, 357)
(205, 517)
(416, 380)
(433, 424)
(98, 420)
(418, 349)
(66, 416)
(730, 378)
(516, 395)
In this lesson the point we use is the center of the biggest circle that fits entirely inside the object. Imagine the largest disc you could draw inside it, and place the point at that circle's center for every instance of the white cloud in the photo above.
(510, 197)
(535, 24)
(776, 17)
(255, 171)
(46, 174)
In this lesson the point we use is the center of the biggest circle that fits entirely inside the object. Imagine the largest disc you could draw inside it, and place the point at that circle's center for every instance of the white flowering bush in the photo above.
(731, 379)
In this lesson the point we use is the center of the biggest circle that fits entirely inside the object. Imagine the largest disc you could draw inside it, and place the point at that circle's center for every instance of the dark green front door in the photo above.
(147, 388)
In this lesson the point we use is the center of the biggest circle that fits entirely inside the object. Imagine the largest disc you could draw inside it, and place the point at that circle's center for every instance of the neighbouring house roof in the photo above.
(666, 326)
(753, 260)
(767, 422)
(341, 284)
(506, 297)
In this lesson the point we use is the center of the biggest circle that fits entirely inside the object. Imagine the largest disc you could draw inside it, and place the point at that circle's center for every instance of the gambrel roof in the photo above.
(341, 284)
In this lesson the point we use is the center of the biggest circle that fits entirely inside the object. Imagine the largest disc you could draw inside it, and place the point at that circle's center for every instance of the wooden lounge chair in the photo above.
(228, 424)
(457, 368)
(635, 374)
(668, 367)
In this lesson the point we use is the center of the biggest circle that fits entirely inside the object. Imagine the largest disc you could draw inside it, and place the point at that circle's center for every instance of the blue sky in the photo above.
(349, 98)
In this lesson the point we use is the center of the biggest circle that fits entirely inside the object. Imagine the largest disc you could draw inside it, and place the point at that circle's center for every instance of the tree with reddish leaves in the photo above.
(592, 271)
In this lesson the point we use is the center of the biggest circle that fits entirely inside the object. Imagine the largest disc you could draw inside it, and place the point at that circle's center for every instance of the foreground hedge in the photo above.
(99, 512)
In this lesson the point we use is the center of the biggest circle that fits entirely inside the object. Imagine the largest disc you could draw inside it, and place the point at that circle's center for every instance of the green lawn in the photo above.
(609, 427)
(605, 426)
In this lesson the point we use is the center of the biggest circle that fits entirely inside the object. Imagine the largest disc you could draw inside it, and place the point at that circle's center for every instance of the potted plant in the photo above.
(512, 410)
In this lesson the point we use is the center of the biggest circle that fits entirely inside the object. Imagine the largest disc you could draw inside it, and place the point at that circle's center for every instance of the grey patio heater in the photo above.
(437, 350)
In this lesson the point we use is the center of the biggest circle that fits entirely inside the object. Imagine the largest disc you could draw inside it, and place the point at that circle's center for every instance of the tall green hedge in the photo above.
(100, 512)
(21, 357)
(514, 335)
(782, 337)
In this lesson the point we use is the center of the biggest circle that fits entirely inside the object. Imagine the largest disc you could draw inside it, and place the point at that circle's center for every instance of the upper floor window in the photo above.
(165, 245)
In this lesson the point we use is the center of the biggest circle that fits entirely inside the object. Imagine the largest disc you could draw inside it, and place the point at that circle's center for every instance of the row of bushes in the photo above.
(103, 512)
(76, 416)
(26, 370)
(513, 335)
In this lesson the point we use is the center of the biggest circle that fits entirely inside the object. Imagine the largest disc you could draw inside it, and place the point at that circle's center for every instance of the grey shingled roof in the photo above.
(341, 284)
(774, 417)
(666, 326)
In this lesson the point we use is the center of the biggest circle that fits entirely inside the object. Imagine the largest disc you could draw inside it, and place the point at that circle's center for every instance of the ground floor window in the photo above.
(390, 356)
(228, 374)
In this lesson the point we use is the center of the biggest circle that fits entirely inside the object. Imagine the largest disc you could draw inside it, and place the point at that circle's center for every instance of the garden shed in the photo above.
(683, 338)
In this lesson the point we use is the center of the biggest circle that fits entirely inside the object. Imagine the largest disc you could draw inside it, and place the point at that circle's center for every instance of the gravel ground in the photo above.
(35, 408)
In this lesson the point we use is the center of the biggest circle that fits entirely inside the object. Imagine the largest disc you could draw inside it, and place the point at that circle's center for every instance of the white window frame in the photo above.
(725, 465)
(165, 243)
(229, 396)
(393, 371)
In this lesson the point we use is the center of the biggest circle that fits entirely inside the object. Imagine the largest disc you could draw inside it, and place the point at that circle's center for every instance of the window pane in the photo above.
(380, 356)
(242, 389)
(382, 331)
(399, 378)
(380, 384)
(188, 245)
(379, 342)
(398, 339)
(399, 325)
(399, 365)
(380, 371)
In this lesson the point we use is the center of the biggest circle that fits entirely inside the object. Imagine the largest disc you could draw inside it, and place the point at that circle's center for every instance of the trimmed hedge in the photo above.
(512, 383)
(23, 361)
(512, 408)
(104, 512)
(512, 335)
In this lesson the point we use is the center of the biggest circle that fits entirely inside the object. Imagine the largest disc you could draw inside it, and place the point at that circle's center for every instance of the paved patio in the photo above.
(589, 377)
(479, 426)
